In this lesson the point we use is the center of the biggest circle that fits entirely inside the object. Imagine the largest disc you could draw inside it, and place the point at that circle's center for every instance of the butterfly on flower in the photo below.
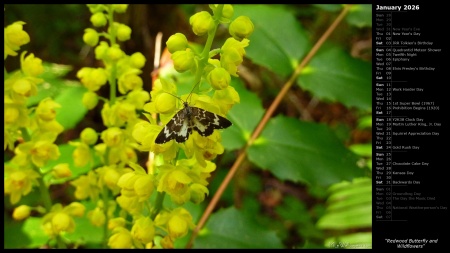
(191, 118)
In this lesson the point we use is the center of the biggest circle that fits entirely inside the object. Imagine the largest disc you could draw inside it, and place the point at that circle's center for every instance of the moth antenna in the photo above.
(188, 97)
(173, 95)
(190, 94)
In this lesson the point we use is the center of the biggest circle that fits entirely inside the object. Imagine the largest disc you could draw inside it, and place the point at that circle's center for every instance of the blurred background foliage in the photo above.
(306, 182)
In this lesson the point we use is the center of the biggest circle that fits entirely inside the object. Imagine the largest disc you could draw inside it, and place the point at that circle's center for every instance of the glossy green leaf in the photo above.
(244, 116)
(35, 236)
(231, 229)
(52, 84)
(303, 152)
(66, 152)
(335, 76)
(278, 41)
(72, 110)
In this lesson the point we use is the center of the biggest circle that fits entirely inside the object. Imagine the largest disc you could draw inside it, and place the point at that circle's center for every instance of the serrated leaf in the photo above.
(303, 152)
(244, 122)
(335, 76)
(72, 110)
(278, 41)
(231, 229)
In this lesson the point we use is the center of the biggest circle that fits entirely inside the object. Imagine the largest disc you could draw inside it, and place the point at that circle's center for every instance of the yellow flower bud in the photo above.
(111, 177)
(143, 230)
(32, 66)
(232, 54)
(177, 226)
(15, 37)
(75, 209)
(137, 60)
(11, 114)
(177, 42)
(97, 217)
(198, 193)
(92, 78)
(116, 222)
(183, 60)
(114, 53)
(81, 155)
(120, 8)
(241, 28)
(219, 78)
(123, 32)
(46, 109)
(121, 239)
(125, 111)
(201, 23)
(24, 87)
(93, 8)
(165, 103)
(21, 212)
(90, 36)
(227, 11)
(112, 136)
(98, 19)
(90, 100)
(138, 98)
(100, 50)
(144, 186)
(62, 170)
(129, 82)
(62, 222)
(167, 242)
(89, 136)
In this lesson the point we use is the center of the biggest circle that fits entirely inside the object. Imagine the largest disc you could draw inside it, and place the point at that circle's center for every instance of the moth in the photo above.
(191, 118)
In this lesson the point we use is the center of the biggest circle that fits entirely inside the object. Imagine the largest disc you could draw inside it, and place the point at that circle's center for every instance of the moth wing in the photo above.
(172, 129)
(205, 122)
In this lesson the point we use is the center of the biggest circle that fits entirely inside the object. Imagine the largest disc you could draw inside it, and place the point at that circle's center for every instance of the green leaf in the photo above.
(351, 241)
(278, 41)
(329, 7)
(349, 206)
(303, 152)
(294, 211)
(52, 84)
(85, 232)
(360, 15)
(66, 152)
(34, 235)
(230, 228)
(244, 122)
(334, 75)
(16, 237)
(72, 109)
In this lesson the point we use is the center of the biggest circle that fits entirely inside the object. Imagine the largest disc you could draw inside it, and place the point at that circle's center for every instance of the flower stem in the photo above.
(105, 199)
(158, 204)
(45, 195)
